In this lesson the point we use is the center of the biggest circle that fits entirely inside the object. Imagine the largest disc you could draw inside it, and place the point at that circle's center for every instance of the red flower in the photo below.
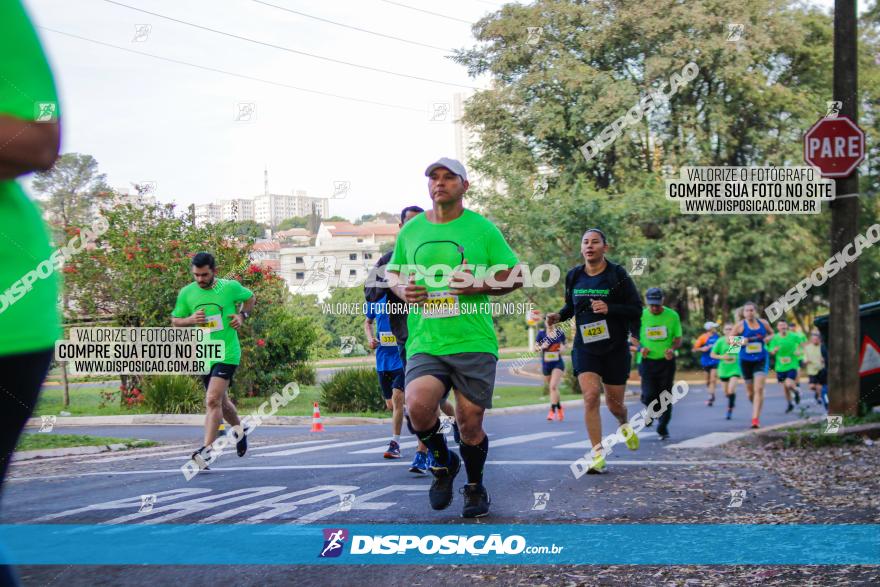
(261, 342)
(69, 269)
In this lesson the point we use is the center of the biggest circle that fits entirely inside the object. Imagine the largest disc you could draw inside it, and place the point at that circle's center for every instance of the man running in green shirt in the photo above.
(451, 335)
(211, 303)
(659, 336)
(785, 347)
(728, 366)
(29, 141)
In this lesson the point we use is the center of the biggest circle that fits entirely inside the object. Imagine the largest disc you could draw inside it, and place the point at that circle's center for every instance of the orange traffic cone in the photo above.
(316, 420)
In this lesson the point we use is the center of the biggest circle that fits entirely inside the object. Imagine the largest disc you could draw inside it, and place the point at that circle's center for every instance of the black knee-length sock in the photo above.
(731, 400)
(436, 443)
(474, 459)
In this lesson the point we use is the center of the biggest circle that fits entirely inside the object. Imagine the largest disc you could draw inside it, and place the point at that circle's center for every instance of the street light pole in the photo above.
(843, 324)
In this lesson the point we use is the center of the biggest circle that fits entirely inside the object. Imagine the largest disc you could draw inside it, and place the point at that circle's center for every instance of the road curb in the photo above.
(193, 420)
(46, 453)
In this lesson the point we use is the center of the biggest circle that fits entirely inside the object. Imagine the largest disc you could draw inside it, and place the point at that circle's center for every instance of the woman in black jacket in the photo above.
(606, 307)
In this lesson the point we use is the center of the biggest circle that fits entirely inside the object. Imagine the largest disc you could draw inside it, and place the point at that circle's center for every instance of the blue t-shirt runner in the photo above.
(387, 357)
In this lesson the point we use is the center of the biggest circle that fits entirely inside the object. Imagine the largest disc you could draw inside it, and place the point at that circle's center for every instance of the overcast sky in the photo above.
(145, 119)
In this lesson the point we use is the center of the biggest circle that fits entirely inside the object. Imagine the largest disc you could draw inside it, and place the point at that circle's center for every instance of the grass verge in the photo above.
(41, 440)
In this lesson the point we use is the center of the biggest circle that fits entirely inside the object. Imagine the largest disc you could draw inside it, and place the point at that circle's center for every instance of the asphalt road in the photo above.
(292, 476)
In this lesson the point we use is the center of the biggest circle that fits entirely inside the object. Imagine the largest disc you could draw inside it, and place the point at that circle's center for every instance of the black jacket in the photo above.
(624, 303)
(376, 286)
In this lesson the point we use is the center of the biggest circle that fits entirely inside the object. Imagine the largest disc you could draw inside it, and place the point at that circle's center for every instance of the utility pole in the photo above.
(843, 323)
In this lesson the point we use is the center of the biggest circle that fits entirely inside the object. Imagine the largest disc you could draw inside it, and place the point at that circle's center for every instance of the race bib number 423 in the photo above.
(594, 331)
(440, 304)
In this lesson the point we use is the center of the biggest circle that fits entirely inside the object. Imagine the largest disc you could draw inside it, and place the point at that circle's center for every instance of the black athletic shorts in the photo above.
(613, 368)
(389, 381)
(708, 369)
(814, 380)
(547, 368)
(749, 368)
(221, 370)
(783, 375)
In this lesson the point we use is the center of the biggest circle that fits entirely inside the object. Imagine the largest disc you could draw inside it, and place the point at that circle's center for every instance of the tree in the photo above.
(72, 191)
(248, 228)
(292, 222)
(748, 105)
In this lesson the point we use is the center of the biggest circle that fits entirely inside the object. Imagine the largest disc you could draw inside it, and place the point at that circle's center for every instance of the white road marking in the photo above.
(524, 438)
(383, 448)
(584, 444)
(296, 451)
(709, 440)
(361, 502)
(354, 466)
(129, 503)
(263, 447)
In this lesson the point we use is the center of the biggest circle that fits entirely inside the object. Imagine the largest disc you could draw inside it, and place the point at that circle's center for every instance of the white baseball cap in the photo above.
(452, 165)
(710, 325)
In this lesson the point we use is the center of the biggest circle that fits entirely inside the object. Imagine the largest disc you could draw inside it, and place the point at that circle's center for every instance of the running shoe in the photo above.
(597, 466)
(789, 408)
(710, 401)
(551, 415)
(729, 414)
(476, 501)
(393, 451)
(199, 459)
(241, 445)
(429, 460)
(663, 435)
(755, 423)
(420, 463)
(440, 493)
(456, 435)
(560, 413)
(629, 435)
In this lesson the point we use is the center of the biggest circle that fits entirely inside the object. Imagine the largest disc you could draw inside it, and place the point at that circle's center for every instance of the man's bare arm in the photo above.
(27, 146)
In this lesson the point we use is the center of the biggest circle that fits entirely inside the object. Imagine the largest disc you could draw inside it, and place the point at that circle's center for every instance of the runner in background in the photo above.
(753, 357)
(30, 326)
(795, 331)
(814, 363)
(552, 366)
(728, 367)
(704, 345)
(604, 301)
(389, 367)
(784, 348)
(660, 337)
(211, 302)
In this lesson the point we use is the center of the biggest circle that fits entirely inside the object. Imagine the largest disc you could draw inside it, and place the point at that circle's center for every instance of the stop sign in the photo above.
(835, 145)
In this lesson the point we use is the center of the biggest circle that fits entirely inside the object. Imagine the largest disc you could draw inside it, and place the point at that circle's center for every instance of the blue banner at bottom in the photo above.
(589, 544)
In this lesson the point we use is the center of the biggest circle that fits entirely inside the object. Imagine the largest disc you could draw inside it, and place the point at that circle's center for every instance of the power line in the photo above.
(289, 50)
(233, 74)
(427, 11)
(348, 26)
